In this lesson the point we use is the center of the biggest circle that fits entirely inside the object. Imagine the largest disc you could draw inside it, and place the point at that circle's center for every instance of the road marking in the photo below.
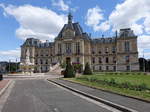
(88, 99)
(5, 96)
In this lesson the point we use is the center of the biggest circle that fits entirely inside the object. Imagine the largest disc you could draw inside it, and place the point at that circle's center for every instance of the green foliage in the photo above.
(125, 85)
(69, 71)
(143, 86)
(87, 70)
(77, 67)
(112, 81)
(120, 81)
(63, 65)
(12, 67)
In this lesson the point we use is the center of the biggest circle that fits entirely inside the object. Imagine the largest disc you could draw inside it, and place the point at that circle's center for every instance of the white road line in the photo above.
(5, 96)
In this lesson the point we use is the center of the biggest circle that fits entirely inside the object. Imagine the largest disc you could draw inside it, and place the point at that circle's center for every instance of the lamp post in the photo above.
(144, 69)
(9, 65)
(16, 65)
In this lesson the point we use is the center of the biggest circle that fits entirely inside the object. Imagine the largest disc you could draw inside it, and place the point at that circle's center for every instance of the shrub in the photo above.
(63, 65)
(125, 85)
(143, 86)
(77, 67)
(93, 79)
(87, 70)
(112, 81)
(69, 71)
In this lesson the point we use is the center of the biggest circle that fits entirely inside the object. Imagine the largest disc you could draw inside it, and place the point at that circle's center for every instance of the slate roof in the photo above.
(37, 43)
(73, 26)
(104, 40)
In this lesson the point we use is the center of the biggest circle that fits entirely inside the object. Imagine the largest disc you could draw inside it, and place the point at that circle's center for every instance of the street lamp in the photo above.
(144, 69)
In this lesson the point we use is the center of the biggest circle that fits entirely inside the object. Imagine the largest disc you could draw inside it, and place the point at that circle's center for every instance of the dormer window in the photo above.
(69, 33)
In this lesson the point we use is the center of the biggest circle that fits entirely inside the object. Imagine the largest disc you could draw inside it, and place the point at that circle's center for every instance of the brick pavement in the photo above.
(3, 83)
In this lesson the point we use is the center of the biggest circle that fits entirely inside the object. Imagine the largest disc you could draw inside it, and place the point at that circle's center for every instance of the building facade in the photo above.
(118, 53)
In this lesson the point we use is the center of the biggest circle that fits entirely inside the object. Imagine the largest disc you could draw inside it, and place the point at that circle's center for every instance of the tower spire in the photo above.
(70, 18)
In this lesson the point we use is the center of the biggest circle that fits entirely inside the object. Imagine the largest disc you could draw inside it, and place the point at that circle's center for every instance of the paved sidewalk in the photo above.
(118, 99)
(3, 83)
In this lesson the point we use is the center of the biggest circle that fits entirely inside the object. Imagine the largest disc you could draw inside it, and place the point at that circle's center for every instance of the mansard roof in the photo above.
(104, 40)
(127, 32)
(73, 26)
(37, 43)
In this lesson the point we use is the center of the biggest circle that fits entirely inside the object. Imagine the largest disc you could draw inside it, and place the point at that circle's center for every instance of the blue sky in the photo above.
(43, 19)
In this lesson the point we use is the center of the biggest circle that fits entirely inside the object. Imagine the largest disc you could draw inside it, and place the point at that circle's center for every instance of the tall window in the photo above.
(100, 68)
(78, 60)
(127, 67)
(36, 61)
(59, 48)
(107, 60)
(114, 68)
(47, 53)
(93, 60)
(41, 61)
(114, 59)
(106, 50)
(113, 49)
(68, 48)
(78, 47)
(99, 51)
(93, 51)
(100, 60)
(46, 61)
(42, 52)
(127, 58)
(107, 67)
(127, 46)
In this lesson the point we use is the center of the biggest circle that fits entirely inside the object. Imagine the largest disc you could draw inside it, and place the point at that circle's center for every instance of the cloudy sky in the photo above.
(43, 19)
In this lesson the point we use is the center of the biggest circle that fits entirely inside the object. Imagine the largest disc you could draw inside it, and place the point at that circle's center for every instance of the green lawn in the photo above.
(132, 78)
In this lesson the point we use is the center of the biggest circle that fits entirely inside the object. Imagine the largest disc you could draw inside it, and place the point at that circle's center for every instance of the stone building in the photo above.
(118, 53)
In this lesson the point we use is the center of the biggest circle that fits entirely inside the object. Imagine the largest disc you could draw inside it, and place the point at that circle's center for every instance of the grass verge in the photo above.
(119, 79)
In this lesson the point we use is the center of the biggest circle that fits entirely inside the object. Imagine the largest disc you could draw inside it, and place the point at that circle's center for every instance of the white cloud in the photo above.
(10, 55)
(60, 4)
(94, 17)
(136, 16)
(129, 13)
(126, 14)
(144, 44)
(104, 26)
(138, 29)
(147, 24)
(43, 23)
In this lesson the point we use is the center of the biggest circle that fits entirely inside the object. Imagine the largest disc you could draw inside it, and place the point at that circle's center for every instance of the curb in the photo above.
(119, 107)
(4, 89)
(136, 98)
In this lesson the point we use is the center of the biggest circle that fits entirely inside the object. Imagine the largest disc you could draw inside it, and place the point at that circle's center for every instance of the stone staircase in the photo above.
(55, 70)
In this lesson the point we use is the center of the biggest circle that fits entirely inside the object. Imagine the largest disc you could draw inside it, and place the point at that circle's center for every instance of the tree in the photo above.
(87, 70)
(69, 71)
(143, 63)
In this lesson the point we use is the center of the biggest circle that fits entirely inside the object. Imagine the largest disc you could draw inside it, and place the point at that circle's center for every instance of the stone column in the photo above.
(82, 46)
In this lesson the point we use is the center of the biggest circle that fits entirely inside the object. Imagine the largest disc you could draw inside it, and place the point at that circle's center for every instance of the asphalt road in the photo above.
(42, 96)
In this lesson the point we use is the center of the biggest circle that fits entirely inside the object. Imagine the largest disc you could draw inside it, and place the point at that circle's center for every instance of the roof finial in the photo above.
(70, 18)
